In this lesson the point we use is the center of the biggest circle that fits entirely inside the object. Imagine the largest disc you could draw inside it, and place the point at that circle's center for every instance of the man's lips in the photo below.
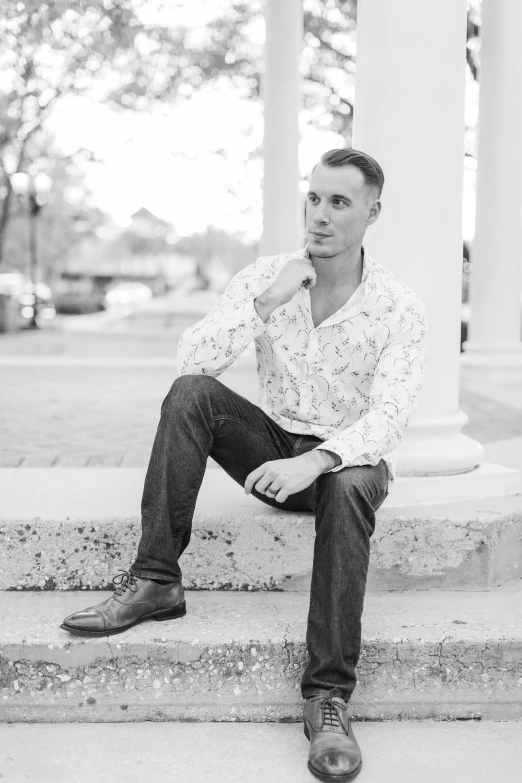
(319, 234)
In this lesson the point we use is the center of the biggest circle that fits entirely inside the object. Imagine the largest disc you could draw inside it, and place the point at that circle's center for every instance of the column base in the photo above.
(492, 354)
(485, 481)
(435, 446)
(495, 363)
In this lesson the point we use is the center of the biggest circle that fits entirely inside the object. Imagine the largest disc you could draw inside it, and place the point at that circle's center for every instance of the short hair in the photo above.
(368, 166)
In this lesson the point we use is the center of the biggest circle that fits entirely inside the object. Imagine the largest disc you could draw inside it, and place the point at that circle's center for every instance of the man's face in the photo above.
(339, 209)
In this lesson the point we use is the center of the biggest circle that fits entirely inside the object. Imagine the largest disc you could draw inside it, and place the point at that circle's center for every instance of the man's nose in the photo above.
(320, 216)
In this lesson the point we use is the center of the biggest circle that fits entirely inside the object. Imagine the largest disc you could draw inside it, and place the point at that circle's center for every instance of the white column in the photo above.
(496, 285)
(409, 115)
(282, 219)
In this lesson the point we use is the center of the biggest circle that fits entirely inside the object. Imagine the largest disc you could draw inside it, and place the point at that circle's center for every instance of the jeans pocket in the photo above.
(380, 499)
(295, 449)
(305, 443)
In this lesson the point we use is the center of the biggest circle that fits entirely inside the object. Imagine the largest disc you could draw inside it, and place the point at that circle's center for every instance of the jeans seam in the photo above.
(191, 513)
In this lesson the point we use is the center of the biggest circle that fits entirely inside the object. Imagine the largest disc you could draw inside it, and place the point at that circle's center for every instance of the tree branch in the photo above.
(471, 62)
(332, 49)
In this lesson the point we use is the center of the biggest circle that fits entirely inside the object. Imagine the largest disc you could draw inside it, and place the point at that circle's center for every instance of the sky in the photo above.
(195, 165)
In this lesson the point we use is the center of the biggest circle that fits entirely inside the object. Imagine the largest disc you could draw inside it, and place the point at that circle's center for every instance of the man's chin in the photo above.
(315, 249)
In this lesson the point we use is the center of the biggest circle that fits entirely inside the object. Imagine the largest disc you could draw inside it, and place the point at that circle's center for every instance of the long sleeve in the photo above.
(214, 343)
(394, 390)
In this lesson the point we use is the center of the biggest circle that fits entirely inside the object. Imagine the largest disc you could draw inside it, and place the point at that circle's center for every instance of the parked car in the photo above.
(24, 305)
(80, 302)
(131, 292)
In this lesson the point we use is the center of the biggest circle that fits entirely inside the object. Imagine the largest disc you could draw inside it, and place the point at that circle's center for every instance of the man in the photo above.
(340, 346)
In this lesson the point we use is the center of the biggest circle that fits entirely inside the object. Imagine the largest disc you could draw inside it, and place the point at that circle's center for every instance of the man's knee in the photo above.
(360, 482)
(193, 382)
(187, 389)
(348, 479)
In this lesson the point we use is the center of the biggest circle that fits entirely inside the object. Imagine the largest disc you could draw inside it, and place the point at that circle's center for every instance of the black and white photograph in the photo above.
(261, 391)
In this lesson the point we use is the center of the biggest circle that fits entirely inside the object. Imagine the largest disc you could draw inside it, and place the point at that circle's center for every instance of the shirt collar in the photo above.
(354, 305)
(368, 264)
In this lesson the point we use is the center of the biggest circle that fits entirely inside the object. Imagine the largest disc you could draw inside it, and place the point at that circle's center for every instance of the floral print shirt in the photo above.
(352, 380)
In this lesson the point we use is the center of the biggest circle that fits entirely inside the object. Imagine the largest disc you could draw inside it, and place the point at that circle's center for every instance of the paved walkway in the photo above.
(86, 416)
(92, 398)
(398, 752)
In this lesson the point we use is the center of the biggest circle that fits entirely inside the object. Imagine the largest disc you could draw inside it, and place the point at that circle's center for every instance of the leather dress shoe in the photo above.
(134, 601)
(334, 752)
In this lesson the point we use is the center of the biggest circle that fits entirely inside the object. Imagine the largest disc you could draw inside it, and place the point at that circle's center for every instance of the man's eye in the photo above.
(312, 198)
(337, 203)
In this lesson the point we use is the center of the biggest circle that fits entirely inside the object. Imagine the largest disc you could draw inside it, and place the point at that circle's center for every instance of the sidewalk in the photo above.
(82, 415)
(495, 413)
(92, 398)
(395, 752)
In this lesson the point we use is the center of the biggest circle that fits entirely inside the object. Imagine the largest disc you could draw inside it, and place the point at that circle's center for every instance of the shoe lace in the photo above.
(124, 580)
(331, 712)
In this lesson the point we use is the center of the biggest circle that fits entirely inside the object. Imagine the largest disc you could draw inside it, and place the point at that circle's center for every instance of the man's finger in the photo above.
(264, 485)
(269, 487)
(253, 477)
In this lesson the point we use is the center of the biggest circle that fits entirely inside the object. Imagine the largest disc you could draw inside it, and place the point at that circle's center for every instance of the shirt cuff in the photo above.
(254, 319)
(337, 467)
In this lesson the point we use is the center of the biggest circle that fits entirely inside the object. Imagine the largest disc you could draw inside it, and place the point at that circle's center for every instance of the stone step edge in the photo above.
(107, 492)
(241, 655)
(76, 528)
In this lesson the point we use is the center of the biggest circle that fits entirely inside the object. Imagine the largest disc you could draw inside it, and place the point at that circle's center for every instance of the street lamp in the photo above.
(36, 189)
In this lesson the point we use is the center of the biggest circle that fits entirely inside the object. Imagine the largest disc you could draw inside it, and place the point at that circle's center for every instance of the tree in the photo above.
(473, 39)
(68, 217)
(49, 50)
(97, 48)
(111, 51)
(227, 48)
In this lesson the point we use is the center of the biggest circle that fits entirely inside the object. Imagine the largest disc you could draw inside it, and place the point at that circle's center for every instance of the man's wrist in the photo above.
(324, 459)
(266, 303)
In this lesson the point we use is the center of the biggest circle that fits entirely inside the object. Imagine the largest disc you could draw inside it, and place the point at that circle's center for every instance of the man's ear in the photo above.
(373, 212)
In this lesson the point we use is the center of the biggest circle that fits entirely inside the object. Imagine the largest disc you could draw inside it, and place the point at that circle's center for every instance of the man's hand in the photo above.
(297, 273)
(280, 478)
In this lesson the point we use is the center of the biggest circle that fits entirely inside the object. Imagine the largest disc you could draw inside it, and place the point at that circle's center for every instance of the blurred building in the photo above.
(139, 253)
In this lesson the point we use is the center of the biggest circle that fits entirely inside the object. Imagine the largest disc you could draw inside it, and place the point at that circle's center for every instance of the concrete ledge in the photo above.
(72, 528)
(240, 656)
(486, 481)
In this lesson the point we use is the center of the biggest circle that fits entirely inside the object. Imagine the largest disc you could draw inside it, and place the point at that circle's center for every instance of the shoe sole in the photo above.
(330, 778)
(163, 614)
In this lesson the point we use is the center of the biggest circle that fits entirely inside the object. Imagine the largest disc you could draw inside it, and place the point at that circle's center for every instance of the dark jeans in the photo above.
(201, 417)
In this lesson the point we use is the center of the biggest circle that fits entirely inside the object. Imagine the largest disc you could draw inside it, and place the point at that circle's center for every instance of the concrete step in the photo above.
(398, 752)
(75, 528)
(241, 655)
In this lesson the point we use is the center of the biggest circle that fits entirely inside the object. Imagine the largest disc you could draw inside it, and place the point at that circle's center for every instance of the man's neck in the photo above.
(346, 269)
